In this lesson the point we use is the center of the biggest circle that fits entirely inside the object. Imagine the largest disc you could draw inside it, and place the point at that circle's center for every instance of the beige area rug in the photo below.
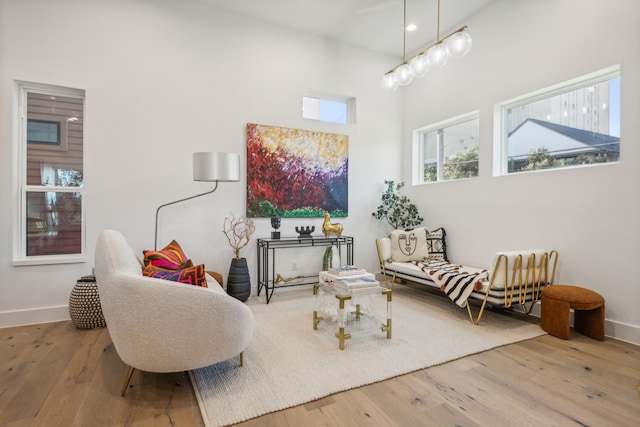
(287, 363)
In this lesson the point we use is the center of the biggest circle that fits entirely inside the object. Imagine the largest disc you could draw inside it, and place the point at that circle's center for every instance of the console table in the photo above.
(267, 249)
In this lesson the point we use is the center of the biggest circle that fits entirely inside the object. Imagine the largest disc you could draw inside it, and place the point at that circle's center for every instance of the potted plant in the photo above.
(238, 232)
(397, 209)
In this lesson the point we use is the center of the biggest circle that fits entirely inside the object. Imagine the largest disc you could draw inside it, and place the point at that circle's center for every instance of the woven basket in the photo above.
(84, 305)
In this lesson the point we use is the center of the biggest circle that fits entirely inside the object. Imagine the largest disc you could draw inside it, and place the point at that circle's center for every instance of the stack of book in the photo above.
(346, 270)
(349, 279)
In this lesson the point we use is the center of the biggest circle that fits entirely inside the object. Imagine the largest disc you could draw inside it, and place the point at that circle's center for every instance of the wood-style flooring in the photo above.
(56, 375)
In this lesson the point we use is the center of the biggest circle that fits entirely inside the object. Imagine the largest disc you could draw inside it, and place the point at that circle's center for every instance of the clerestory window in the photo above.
(332, 109)
(575, 123)
(447, 150)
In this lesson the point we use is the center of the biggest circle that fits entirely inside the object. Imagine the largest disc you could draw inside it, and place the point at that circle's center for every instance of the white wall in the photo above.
(590, 215)
(164, 79)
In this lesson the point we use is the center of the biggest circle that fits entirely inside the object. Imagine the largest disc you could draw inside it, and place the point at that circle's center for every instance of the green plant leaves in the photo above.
(397, 209)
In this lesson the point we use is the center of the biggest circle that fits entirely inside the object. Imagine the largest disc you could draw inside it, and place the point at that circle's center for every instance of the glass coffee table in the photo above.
(350, 312)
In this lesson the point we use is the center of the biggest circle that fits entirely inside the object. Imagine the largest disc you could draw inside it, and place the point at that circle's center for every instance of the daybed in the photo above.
(515, 280)
(159, 325)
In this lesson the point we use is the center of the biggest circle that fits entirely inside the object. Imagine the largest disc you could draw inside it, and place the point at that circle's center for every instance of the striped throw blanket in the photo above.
(456, 281)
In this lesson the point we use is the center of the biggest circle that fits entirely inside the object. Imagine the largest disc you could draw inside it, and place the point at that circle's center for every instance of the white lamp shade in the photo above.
(437, 56)
(389, 82)
(459, 44)
(404, 75)
(419, 66)
(208, 166)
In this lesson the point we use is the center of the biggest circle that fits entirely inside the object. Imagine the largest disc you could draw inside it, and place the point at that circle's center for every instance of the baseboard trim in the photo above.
(34, 316)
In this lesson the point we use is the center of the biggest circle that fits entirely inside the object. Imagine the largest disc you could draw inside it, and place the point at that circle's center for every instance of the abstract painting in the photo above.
(296, 173)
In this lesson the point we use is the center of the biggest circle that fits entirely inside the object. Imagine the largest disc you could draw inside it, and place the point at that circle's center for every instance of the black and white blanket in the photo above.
(455, 280)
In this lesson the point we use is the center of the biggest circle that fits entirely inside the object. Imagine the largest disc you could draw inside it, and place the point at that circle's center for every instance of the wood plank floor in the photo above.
(56, 375)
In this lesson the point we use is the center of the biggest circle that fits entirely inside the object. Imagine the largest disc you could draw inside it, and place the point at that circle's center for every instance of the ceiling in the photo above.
(371, 24)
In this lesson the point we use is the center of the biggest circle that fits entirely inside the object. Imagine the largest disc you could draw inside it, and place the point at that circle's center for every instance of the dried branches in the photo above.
(238, 232)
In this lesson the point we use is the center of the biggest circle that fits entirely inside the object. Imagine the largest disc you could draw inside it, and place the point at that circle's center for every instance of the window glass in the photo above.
(48, 162)
(573, 124)
(328, 110)
(447, 150)
(43, 132)
(54, 221)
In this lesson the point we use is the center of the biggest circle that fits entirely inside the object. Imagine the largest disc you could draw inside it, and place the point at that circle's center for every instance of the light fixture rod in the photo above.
(406, 61)
(404, 33)
(155, 242)
(438, 26)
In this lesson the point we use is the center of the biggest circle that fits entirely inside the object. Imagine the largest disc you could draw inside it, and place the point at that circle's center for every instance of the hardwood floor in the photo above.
(56, 375)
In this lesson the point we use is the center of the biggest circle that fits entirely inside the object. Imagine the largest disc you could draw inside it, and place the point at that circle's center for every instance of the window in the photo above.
(575, 123)
(50, 216)
(334, 109)
(447, 150)
(43, 132)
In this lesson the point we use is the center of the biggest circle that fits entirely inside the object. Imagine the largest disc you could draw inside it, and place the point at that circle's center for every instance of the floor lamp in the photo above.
(208, 167)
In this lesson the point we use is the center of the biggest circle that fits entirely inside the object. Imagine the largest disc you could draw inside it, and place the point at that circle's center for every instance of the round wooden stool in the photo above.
(588, 308)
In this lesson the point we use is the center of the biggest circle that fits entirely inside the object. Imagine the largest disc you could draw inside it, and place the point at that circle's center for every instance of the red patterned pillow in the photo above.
(192, 275)
(171, 257)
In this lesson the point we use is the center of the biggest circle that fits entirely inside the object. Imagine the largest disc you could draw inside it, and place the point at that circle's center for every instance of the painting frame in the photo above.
(296, 173)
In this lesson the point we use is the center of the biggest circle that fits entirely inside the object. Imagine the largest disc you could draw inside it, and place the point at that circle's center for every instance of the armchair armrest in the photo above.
(162, 326)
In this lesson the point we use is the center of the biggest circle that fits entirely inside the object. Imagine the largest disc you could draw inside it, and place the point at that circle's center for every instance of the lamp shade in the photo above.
(208, 166)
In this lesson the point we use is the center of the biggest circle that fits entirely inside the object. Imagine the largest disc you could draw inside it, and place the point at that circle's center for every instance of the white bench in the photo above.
(516, 277)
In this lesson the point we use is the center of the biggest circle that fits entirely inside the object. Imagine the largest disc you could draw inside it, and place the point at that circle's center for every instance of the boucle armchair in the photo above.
(158, 325)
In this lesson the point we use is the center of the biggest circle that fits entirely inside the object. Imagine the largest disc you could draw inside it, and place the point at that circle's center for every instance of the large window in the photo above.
(447, 150)
(50, 215)
(575, 123)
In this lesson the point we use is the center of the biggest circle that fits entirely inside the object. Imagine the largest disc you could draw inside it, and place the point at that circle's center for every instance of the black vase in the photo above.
(238, 280)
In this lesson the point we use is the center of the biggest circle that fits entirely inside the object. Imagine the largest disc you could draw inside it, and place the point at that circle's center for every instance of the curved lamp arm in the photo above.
(155, 242)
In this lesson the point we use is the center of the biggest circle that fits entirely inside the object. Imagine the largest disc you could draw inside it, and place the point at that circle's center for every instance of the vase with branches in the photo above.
(238, 232)
(397, 209)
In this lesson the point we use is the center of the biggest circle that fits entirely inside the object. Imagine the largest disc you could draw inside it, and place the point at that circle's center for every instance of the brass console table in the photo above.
(267, 249)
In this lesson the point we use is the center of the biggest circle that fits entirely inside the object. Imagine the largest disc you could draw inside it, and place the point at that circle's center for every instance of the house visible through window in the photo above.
(447, 150)
(50, 141)
(572, 124)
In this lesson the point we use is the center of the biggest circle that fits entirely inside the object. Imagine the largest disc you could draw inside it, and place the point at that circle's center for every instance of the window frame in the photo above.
(22, 188)
(418, 147)
(348, 101)
(500, 117)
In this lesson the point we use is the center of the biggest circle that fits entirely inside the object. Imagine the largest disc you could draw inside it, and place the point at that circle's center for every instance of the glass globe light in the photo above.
(404, 76)
(459, 44)
(437, 56)
(419, 66)
(389, 82)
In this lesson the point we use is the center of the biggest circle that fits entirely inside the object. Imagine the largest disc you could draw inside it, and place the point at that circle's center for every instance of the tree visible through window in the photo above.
(448, 150)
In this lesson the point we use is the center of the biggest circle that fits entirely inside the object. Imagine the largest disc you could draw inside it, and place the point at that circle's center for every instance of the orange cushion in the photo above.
(171, 257)
(579, 298)
(192, 275)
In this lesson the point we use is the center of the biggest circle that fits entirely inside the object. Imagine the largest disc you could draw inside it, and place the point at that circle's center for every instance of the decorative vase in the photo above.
(238, 280)
(84, 304)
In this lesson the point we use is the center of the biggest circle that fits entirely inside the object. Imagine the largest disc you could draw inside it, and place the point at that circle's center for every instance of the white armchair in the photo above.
(158, 325)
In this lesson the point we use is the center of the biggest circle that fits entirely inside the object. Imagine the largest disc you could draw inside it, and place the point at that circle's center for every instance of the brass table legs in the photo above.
(342, 335)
